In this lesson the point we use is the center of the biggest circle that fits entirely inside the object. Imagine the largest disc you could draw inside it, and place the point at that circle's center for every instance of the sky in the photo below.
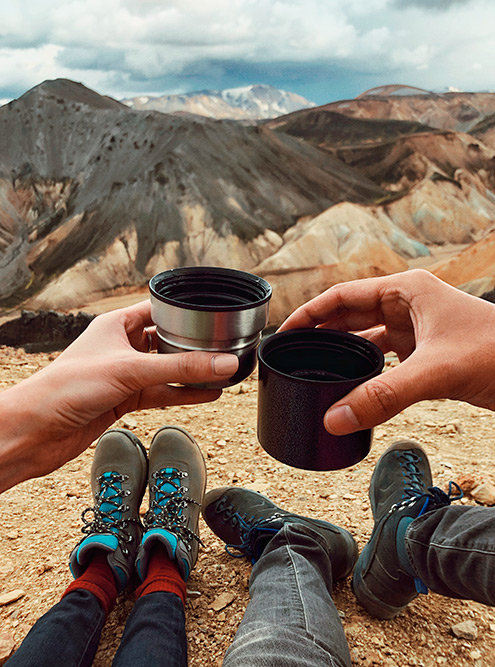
(324, 50)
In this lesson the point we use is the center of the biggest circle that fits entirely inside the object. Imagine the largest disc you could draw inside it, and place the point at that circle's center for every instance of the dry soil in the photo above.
(40, 524)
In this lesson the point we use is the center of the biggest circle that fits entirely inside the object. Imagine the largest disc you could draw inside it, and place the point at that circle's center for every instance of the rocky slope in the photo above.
(445, 111)
(96, 197)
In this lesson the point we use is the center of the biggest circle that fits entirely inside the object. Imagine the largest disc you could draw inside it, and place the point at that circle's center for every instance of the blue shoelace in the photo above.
(108, 510)
(249, 530)
(414, 492)
(167, 504)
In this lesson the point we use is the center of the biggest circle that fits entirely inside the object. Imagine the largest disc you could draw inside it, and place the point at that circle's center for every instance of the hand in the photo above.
(443, 337)
(51, 417)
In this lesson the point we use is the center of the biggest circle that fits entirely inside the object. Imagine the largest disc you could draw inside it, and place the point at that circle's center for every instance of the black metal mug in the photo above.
(302, 372)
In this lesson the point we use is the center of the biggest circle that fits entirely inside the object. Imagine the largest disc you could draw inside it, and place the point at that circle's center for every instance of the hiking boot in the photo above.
(177, 482)
(401, 490)
(246, 520)
(118, 481)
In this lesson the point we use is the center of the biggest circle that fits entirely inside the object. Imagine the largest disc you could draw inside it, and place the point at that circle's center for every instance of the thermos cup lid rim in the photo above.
(247, 290)
(332, 339)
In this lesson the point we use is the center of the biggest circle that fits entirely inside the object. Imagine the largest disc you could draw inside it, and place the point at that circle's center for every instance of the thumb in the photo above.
(377, 400)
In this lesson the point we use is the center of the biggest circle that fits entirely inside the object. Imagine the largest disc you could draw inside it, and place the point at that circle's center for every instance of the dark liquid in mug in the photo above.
(316, 374)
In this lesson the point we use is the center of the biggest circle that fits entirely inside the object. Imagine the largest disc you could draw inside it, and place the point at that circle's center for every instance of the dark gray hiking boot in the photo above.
(401, 490)
(118, 480)
(177, 482)
(246, 520)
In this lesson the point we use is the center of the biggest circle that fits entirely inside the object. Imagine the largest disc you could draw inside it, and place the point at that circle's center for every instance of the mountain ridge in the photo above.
(96, 197)
(253, 102)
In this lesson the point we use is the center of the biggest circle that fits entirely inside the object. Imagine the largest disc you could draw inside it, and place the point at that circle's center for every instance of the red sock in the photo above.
(163, 575)
(98, 579)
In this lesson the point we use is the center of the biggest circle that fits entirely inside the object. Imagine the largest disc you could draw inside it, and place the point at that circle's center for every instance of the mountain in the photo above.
(95, 196)
(444, 111)
(247, 103)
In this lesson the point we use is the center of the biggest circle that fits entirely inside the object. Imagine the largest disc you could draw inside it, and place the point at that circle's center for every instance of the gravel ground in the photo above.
(40, 523)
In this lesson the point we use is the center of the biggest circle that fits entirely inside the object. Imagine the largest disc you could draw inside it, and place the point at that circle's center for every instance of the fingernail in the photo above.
(224, 364)
(341, 420)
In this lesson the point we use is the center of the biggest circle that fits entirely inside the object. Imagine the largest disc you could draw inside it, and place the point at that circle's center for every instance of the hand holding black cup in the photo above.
(302, 372)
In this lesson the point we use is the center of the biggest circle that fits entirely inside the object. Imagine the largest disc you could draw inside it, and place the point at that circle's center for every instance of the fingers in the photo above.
(166, 395)
(379, 399)
(351, 306)
(184, 368)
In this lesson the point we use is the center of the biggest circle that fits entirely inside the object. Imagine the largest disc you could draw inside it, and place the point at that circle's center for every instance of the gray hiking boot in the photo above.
(177, 482)
(401, 489)
(246, 521)
(118, 481)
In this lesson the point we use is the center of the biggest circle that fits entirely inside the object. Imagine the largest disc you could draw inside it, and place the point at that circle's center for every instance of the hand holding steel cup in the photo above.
(212, 309)
(301, 373)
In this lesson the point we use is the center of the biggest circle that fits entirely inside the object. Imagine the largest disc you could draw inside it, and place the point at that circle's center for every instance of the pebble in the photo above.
(465, 630)
(222, 601)
(128, 421)
(11, 596)
(7, 645)
(484, 493)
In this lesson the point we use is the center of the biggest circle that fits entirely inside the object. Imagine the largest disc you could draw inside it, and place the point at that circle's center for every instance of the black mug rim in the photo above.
(259, 290)
(335, 339)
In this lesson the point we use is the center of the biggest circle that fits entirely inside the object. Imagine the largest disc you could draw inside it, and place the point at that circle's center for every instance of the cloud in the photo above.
(433, 5)
(126, 47)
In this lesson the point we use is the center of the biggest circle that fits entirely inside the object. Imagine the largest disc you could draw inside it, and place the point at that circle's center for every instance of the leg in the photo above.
(66, 636)
(101, 563)
(155, 634)
(408, 512)
(453, 551)
(291, 619)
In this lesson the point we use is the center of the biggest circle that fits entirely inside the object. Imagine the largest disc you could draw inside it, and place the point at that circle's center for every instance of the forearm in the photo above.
(20, 437)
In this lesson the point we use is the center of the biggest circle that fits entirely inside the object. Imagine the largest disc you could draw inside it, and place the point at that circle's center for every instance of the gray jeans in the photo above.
(291, 620)
(452, 550)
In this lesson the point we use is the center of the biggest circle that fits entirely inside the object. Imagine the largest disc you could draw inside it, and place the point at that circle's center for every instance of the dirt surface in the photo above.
(40, 524)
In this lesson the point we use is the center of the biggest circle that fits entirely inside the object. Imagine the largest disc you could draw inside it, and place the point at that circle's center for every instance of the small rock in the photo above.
(12, 535)
(74, 492)
(260, 487)
(191, 593)
(355, 658)
(45, 567)
(128, 421)
(467, 483)
(475, 654)
(222, 443)
(7, 645)
(484, 493)
(222, 601)
(6, 569)
(465, 630)
(11, 596)
(222, 460)
(457, 425)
